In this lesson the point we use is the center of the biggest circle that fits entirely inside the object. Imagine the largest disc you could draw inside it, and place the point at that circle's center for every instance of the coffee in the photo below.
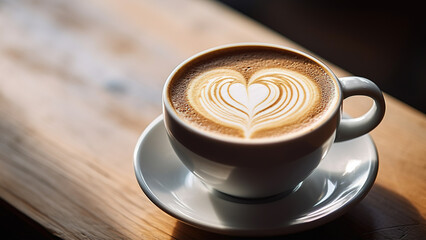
(252, 92)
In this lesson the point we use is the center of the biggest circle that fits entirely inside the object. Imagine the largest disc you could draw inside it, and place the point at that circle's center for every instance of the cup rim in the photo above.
(331, 111)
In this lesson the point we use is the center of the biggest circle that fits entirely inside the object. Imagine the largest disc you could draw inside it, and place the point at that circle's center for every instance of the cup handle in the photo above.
(354, 127)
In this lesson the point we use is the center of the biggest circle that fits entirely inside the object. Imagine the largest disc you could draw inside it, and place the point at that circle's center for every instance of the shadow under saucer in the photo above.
(382, 214)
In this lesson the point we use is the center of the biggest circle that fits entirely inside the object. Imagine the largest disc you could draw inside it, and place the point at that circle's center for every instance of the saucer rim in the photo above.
(227, 230)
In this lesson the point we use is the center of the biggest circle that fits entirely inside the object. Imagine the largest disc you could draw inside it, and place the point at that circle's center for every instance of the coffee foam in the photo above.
(270, 98)
(251, 93)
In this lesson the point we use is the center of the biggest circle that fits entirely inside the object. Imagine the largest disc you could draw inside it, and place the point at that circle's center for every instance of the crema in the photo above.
(251, 92)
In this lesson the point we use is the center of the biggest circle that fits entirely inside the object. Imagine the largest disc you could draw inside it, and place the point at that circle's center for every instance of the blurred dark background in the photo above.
(383, 42)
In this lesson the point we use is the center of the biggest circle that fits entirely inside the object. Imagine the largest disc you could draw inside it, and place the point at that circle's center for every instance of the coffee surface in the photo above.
(251, 92)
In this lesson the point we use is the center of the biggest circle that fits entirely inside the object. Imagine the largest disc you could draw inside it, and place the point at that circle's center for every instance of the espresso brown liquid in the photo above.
(252, 92)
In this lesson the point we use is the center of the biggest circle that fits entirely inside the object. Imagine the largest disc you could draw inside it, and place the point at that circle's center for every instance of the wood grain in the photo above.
(80, 80)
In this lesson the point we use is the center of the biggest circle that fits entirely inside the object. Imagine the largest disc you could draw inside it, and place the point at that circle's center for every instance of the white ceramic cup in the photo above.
(257, 169)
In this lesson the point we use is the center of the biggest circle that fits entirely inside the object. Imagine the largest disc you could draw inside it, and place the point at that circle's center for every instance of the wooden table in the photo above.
(80, 80)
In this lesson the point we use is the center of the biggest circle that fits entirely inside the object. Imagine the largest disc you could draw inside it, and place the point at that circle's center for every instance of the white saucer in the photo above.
(341, 180)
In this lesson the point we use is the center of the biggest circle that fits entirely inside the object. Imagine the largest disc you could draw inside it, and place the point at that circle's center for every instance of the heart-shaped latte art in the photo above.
(270, 98)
